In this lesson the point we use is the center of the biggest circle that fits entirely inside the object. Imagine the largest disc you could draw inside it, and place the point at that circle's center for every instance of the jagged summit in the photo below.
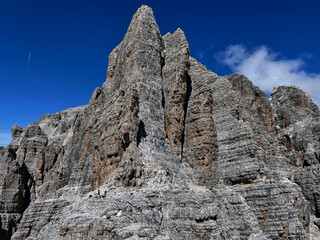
(143, 23)
(182, 152)
(143, 15)
(178, 30)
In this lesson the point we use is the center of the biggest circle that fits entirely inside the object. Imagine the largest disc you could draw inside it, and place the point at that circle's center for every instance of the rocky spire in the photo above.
(176, 88)
(16, 131)
(131, 97)
(143, 22)
(143, 33)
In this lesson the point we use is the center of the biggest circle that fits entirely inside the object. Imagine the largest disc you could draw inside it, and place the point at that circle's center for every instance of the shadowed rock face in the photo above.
(183, 153)
(17, 186)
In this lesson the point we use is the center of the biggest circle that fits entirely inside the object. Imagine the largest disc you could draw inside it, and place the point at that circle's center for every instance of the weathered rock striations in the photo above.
(176, 88)
(183, 153)
(16, 186)
(199, 141)
(280, 209)
(131, 105)
(245, 129)
(298, 128)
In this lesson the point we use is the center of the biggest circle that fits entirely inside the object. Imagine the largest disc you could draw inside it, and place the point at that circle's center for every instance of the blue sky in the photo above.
(53, 54)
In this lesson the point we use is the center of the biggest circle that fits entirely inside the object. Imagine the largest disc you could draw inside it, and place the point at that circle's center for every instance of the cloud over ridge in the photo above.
(267, 69)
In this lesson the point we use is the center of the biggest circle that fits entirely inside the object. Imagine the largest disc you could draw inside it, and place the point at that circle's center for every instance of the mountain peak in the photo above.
(143, 17)
(144, 9)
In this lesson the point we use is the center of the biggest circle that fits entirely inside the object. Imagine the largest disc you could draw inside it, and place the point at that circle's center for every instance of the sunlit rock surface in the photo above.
(182, 152)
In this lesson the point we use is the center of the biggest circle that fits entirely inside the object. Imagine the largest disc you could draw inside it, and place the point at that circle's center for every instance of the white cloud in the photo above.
(267, 70)
(5, 139)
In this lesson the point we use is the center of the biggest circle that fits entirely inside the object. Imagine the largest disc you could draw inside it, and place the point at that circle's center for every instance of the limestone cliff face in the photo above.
(183, 153)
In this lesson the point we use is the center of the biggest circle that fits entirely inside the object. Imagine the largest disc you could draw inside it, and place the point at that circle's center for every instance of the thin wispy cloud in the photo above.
(267, 69)
(200, 53)
(28, 63)
(5, 139)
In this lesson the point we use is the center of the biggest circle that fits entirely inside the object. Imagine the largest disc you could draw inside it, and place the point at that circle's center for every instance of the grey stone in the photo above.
(298, 128)
(182, 152)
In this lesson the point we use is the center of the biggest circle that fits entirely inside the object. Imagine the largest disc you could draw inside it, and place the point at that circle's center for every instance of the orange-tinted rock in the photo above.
(199, 141)
(175, 88)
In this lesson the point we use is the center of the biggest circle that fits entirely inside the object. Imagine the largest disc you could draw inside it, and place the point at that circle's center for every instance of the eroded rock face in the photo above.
(182, 152)
(298, 128)
(176, 88)
(200, 133)
(247, 148)
(130, 104)
(16, 187)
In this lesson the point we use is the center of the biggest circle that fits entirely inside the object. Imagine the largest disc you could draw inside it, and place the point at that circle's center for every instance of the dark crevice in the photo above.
(240, 181)
(28, 184)
(163, 102)
(237, 114)
(163, 99)
(126, 140)
(12, 228)
(185, 108)
(287, 138)
(25, 154)
(112, 155)
(306, 164)
(124, 143)
(3, 233)
(208, 218)
(6, 234)
(141, 132)
(56, 155)
(162, 62)
(316, 211)
(41, 169)
(12, 153)
(131, 175)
